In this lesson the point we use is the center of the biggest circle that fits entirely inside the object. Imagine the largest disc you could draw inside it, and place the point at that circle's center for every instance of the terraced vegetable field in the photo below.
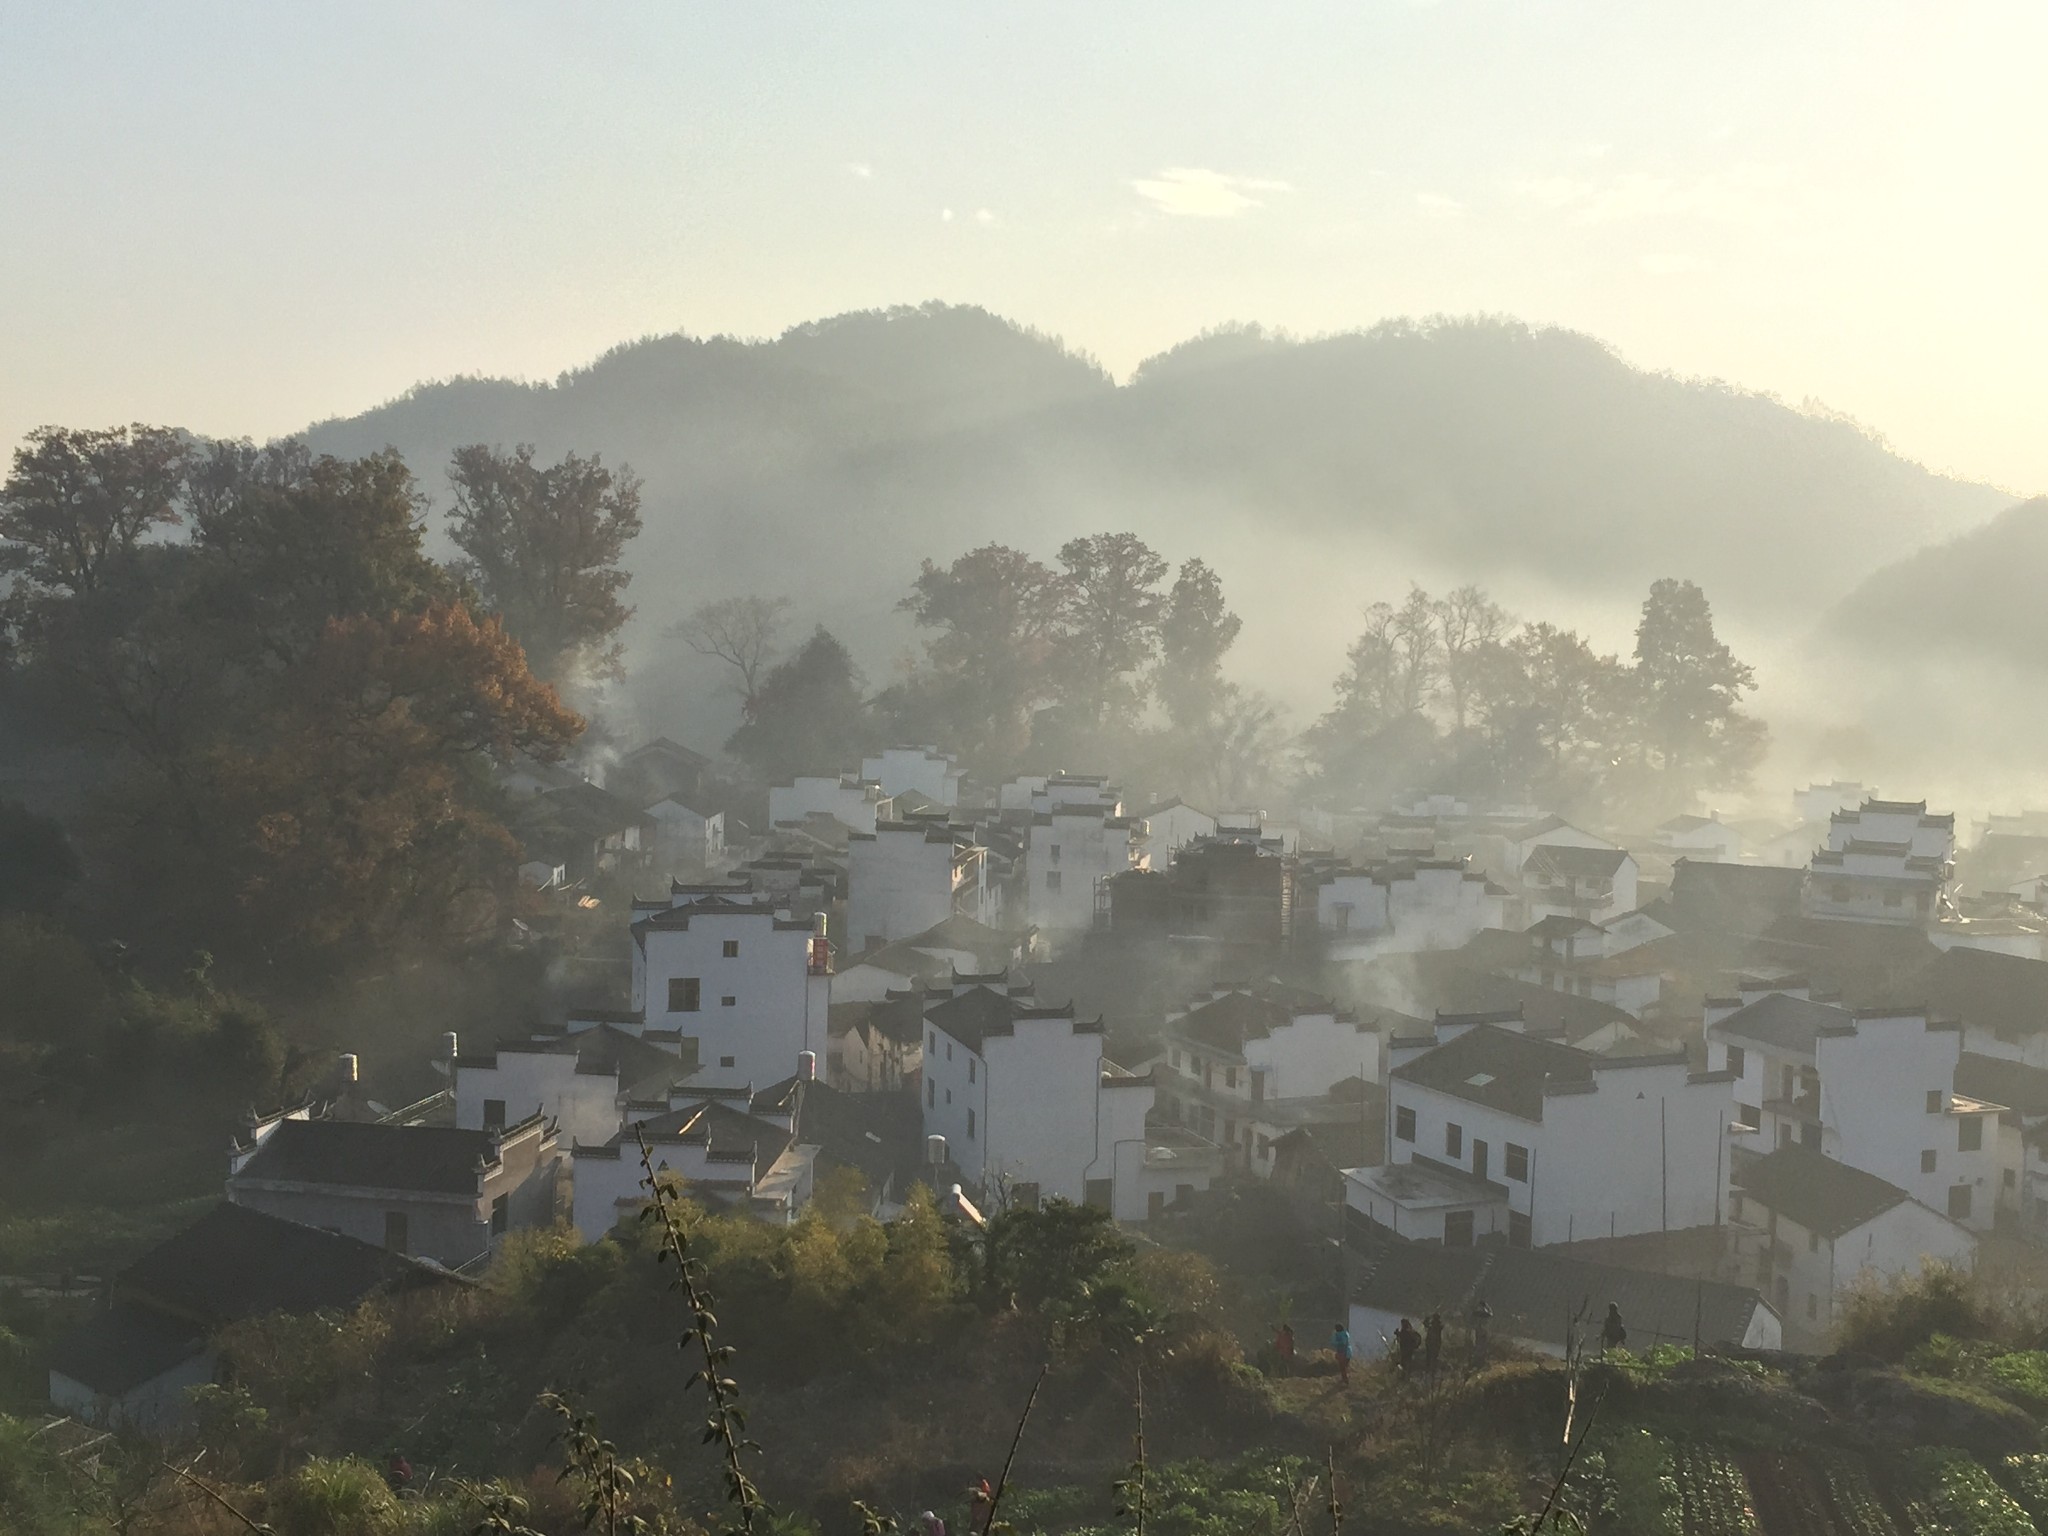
(1831, 1493)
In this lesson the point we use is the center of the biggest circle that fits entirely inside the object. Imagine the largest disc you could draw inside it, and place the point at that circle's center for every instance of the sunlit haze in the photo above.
(241, 219)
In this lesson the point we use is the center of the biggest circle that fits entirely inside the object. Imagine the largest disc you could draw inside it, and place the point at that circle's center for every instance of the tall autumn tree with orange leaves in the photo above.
(306, 714)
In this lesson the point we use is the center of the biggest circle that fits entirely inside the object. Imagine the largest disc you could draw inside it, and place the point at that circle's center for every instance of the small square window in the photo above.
(1404, 1124)
(1927, 1162)
(1934, 1101)
(732, 949)
(728, 1002)
(683, 994)
(1750, 1115)
(725, 1061)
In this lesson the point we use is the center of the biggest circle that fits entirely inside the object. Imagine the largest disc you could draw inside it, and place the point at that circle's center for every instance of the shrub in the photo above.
(1957, 1497)
(1889, 1321)
(336, 1498)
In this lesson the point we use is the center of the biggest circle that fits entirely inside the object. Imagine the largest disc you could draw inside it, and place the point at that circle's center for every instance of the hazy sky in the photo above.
(241, 218)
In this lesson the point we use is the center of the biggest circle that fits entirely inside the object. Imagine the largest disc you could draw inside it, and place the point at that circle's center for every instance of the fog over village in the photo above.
(1024, 775)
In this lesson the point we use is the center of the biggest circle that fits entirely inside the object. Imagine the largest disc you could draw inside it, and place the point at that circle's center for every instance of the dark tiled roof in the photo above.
(1534, 1293)
(1231, 1020)
(1785, 1023)
(725, 1130)
(880, 1134)
(1443, 982)
(609, 1049)
(118, 1350)
(1576, 863)
(1996, 1081)
(424, 1159)
(2005, 994)
(1741, 898)
(234, 1263)
(980, 1012)
(1499, 1069)
(1820, 1193)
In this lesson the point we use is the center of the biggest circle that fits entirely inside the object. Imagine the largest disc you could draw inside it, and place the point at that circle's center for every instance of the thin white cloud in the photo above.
(1189, 192)
(1439, 206)
(984, 216)
(860, 170)
(1735, 195)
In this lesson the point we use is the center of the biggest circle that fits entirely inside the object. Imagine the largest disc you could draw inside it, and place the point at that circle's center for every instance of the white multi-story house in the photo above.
(1887, 861)
(1174, 824)
(1026, 1101)
(907, 877)
(1872, 1088)
(744, 986)
(852, 802)
(582, 1079)
(1406, 906)
(1244, 1066)
(1074, 846)
(1814, 1226)
(737, 1152)
(1491, 1131)
(921, 770)
(1570, 880)
(686, 839)
(1699, 837)
(1584, 959)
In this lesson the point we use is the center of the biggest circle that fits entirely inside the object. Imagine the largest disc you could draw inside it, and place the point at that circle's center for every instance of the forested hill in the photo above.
(1982, 597)
(1316, 475)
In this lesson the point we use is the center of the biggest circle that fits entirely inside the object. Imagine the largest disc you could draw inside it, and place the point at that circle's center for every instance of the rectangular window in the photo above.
(683, 994)
(1970, 1133)
(1813, 1242)
(732, 949)
(1230, 1077)
(1934, 1101)
(725, 1061)
(970, 1125)
(501, 1215)
(949, 1050)
(1457, 1229)
(1454, 1141)
(931, 1094)
(1738, 1060)
(1515, 1163)
(1258, 1085)
(728, 1001)
(494, 1114)
(931, 1041)
(1518, 1230)
(1099, 1193)
(1054, 850)
(1812, 1307)
(1959, 1203)
(1052, 880)
(970, 1069)
(1404, 1124)
(395, 1237)
(1750, 1115)
(1927, 1162)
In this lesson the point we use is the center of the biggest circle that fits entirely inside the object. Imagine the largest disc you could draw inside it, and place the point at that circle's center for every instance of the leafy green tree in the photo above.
(1689, 688)
(1111, 611)
(997, 616)
(810, 717)
(1196, 630)
(78, 501)
(542, 545)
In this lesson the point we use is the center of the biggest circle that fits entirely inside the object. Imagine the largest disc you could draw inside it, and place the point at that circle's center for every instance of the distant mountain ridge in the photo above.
(1316, 474)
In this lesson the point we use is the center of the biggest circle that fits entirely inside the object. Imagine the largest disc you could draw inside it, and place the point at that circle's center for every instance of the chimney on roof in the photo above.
(807, 1066)
(449, 1044)
(350, 1069)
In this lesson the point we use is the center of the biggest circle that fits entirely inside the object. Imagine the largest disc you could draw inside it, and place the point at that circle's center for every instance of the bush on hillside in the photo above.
(1891, 1320)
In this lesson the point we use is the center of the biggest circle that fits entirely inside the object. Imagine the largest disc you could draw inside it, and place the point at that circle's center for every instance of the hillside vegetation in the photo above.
(1318, 474)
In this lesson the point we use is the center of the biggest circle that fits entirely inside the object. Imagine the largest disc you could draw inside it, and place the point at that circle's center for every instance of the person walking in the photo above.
(1283, 1350)
(1613, 1333)
(1481, 1320)
(1432, 1340)
(1340, 1346)
(1406, 1342)
(933, 1525)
